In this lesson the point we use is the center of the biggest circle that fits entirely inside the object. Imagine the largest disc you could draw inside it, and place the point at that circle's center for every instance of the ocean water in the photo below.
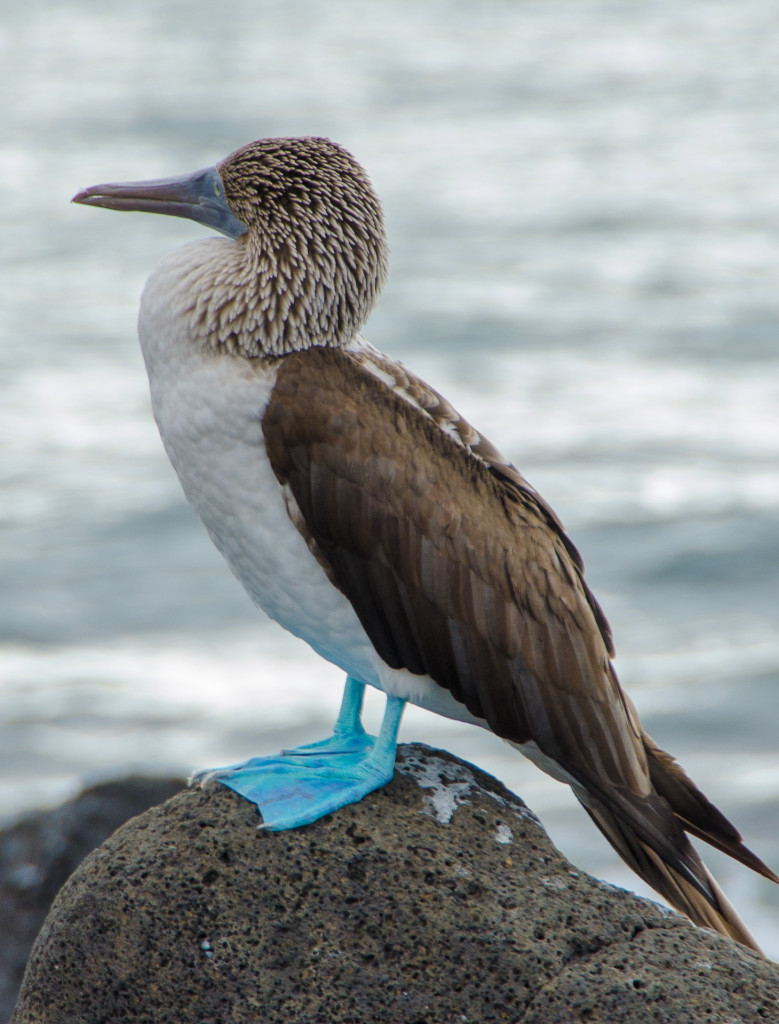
(583, 209)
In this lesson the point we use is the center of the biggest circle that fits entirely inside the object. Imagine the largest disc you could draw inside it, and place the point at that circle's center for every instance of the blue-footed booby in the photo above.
(365, 515)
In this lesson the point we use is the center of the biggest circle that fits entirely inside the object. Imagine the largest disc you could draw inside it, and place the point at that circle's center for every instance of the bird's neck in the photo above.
(224, 299)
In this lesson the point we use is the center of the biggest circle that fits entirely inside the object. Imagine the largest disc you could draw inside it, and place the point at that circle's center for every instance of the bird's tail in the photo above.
(692, 892)
(660, 852)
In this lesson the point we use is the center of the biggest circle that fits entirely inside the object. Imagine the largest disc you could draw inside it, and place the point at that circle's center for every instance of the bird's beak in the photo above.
(199, 196)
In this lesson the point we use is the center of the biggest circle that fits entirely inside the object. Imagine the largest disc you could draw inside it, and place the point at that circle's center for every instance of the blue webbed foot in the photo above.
(299, 786)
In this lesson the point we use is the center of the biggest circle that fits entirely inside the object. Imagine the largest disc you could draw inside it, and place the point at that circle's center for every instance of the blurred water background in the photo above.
(582, 201)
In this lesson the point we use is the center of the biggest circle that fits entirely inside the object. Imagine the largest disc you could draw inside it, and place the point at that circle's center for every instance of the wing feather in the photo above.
(454, 565)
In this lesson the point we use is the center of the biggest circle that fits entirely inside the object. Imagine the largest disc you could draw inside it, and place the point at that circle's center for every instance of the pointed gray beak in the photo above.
(199, 196)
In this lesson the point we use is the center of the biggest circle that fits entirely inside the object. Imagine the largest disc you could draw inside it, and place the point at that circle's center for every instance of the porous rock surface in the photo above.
(436, 900)
(39, 852)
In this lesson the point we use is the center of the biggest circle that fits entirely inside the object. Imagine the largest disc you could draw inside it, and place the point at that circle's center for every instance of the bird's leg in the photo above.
(299, 786)
(348, 733)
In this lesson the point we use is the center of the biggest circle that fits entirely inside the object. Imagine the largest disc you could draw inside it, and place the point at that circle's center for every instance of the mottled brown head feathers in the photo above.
(316, 254)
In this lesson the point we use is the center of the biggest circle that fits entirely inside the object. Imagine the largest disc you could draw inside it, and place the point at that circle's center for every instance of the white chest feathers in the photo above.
(208, 407)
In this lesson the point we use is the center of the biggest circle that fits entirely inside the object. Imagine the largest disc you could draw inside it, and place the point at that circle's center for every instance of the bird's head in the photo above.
(309, 231)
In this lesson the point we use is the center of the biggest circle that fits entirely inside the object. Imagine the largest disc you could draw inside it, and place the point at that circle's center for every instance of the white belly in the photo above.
(209, 410)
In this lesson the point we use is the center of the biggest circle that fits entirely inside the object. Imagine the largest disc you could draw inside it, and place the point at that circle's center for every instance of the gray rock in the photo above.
(436, 899)
(39, 852)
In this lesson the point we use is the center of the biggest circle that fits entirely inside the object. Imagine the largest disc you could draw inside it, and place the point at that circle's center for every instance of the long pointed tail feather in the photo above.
(696, 813)
(683, 880)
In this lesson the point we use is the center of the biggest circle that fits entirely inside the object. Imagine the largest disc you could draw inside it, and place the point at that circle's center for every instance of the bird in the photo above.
(365, 515)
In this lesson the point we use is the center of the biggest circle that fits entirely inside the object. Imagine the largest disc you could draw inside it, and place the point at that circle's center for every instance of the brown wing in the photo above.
(453, 571)
(458, 570)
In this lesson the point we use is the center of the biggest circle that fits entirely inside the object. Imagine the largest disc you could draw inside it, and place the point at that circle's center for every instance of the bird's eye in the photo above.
(217, 190)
